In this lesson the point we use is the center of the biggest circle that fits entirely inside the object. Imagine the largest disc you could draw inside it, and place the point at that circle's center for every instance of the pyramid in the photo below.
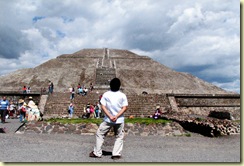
(98, 66)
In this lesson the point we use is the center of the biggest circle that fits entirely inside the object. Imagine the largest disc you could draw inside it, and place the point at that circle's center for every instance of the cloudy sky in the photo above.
(201, 37)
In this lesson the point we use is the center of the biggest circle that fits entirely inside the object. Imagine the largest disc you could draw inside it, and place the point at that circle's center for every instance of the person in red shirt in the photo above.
(24, 90)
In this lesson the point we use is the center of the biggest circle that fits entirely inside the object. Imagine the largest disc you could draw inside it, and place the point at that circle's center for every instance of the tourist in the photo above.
(50, 87)
(97, 110)
(157, 114)
(23, 109)
(85, 91)
(4, 108)
(71, 110)
(28, 89)
(31, 102)
(80, 91)
(87, 112)
(92, 111)
(12, 110)
(91, 87)
(24, 89)
(78, 86)
(35, 113)
(114, 104)
(72, 93)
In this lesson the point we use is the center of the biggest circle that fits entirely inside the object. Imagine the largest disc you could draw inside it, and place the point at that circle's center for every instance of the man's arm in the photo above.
(123, 109)
(106, 112)
(111, 117)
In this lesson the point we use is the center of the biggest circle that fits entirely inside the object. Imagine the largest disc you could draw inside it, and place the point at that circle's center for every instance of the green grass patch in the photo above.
(187, 135)
(237, 121)
(199, 119)
(98, 121)
(147, 121)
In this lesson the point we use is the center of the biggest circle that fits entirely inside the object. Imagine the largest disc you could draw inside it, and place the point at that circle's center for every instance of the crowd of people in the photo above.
(22, 110)
(81, 90)
(90, 110)
(26, 90)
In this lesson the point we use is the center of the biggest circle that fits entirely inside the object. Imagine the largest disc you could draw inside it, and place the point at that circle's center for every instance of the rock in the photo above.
(19, 132)
(177, 133)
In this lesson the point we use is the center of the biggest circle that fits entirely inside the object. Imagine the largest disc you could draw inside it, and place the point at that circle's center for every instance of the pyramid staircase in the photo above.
(105, 70)
(58, 103)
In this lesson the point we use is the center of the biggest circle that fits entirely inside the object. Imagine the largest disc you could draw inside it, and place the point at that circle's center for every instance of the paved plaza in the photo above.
(76, 148)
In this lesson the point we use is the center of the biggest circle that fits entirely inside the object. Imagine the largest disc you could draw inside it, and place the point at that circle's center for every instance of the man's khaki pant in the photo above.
(101, 133)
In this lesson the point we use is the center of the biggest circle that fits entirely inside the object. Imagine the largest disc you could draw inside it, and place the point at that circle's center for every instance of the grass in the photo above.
(187, 135)
(237, 121)
(199, 119)
(146, 121)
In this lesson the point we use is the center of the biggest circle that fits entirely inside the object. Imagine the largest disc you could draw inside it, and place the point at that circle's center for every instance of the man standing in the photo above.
(50, 87)
(114, 103)
(4, 107)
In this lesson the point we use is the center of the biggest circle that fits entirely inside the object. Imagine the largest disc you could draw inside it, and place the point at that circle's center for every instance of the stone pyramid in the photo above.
(97, 66)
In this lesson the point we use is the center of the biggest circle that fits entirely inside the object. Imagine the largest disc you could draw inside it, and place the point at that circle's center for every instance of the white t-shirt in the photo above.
(114, 101)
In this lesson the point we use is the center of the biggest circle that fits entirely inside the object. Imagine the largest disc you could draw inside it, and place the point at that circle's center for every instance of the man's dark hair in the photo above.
(115, 84)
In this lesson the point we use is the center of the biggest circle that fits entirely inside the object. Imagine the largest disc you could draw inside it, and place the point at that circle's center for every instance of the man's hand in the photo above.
(114, 118)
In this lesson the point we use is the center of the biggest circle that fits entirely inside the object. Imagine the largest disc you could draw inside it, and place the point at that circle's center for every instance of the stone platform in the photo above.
(169, 129)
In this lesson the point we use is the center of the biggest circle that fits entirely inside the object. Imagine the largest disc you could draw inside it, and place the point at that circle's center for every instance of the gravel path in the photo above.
(76, 148)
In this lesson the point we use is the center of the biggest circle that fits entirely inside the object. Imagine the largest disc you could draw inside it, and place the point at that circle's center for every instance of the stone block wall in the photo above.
(139, 105)
(145, 105)
(208, 101)
(204, 111)
(203, 105)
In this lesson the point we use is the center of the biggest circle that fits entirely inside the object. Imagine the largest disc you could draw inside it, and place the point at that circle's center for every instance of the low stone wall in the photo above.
(208, 100)
(235, 112)
(206, 126)
(169, 129)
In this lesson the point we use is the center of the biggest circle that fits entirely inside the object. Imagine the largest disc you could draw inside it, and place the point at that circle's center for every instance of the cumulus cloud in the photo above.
(12, 42)
(199, 37)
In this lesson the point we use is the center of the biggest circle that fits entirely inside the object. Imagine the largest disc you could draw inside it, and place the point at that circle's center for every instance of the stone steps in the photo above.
(104, 75)
(58, 103)
(105, 70)
(139, 105)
